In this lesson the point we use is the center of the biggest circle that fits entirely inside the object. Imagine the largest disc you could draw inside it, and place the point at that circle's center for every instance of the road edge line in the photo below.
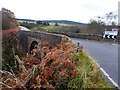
(106, 74)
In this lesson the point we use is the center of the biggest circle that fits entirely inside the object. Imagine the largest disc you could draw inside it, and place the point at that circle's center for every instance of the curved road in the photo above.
(106, 55)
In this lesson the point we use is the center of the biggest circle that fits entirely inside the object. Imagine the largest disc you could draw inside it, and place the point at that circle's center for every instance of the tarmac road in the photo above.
(105, 54)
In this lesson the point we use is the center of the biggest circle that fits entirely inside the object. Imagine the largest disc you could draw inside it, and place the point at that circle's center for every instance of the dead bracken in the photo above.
(47, 67)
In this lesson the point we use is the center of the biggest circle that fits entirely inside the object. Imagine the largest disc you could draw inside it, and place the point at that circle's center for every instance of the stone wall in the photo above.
(90, 37)
(23, 40)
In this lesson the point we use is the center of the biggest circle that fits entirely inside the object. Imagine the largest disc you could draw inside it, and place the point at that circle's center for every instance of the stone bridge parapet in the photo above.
(24, 39)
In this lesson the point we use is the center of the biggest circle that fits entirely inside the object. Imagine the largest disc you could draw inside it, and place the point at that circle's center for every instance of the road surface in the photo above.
(24, 28)
(105, 54)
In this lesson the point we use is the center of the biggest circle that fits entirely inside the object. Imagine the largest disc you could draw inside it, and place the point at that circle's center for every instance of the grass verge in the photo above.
(89, 74)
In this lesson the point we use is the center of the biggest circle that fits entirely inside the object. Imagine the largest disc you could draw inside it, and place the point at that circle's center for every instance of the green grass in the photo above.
(48, 27)
(61, 24)
(51, 26)
(89, 74)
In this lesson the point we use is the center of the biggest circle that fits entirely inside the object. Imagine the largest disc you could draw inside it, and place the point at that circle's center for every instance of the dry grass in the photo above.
(63, 66)
(89, 74)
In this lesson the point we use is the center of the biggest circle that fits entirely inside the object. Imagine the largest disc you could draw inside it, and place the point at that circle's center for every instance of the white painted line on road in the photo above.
(111, 80)
(106, 74)
(111, 44)
(115, 44)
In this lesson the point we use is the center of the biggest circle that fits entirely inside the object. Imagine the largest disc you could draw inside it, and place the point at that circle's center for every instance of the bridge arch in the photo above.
(32, 46)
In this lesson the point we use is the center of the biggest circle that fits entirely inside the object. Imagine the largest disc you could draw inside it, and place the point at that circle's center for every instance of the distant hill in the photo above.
(56, 21)
(65, 22)
(26, 19)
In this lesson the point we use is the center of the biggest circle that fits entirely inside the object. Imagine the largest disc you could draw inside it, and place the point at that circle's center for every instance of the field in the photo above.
(52, 27)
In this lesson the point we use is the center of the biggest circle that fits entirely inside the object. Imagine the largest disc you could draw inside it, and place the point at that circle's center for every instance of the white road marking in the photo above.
(106, 74)
(111, 44)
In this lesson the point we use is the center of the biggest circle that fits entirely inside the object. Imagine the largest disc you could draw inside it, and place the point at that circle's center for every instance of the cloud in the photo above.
(77, 10)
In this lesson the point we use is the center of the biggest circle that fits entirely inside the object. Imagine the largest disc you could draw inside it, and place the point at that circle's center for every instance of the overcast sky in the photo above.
(74, 10)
